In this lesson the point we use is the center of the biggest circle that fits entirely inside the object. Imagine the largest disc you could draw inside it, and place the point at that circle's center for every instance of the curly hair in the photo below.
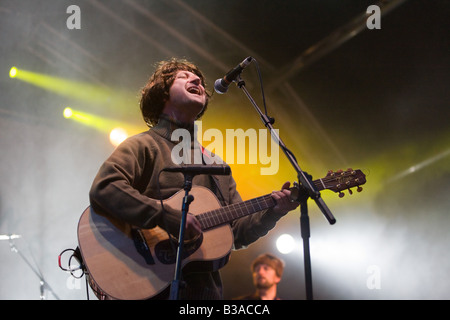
(156, 92)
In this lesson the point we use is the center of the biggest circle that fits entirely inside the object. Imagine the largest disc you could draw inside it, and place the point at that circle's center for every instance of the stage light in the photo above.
(285, 243)
(117, 135)
(67, 113)
(13, 72)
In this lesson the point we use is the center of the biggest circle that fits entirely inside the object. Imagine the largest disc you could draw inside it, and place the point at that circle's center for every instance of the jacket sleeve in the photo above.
(115, 190)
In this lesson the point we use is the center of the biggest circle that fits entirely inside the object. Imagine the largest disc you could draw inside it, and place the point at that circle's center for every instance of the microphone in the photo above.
(222, 170)
(221, 85)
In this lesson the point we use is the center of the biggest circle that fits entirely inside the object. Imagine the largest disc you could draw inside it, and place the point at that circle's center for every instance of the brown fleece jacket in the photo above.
(126, 188)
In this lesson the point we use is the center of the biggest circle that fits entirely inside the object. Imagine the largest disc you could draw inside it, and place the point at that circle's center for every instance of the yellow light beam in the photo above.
(100, 123)
(420, 166)
(74, 89)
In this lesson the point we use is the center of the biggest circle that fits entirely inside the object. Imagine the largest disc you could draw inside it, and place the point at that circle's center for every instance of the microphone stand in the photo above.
(305, 182)
(176, 283)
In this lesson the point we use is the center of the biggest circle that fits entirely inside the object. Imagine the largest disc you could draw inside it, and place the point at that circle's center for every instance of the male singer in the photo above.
(126, 186)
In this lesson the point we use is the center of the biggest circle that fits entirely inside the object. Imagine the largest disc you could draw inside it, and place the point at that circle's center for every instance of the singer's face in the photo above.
(187, 93)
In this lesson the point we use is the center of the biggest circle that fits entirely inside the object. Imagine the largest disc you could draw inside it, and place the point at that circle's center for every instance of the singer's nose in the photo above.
(195, 79)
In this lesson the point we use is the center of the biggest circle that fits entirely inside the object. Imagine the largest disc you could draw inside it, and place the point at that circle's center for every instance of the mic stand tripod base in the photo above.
(42, 283)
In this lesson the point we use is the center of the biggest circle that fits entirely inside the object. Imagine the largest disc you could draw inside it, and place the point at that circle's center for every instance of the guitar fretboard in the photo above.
(213, 218)
(336, 181)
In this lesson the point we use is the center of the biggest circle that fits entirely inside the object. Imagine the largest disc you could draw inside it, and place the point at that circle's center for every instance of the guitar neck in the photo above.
(213, 218)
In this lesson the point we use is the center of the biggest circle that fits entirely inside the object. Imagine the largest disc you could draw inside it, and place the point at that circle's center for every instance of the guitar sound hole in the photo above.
(166, 252)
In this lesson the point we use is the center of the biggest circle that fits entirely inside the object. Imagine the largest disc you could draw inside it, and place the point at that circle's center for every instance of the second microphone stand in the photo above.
(306, 183)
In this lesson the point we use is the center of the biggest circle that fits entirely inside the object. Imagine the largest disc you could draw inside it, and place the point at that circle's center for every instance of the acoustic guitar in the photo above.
(126, 263)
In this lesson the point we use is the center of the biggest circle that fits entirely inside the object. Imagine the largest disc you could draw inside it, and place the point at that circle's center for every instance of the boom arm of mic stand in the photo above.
(304, 180)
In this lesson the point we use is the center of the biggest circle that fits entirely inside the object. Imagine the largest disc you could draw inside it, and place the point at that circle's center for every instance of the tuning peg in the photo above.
(359, 189)
(341, 194)
(350, 191)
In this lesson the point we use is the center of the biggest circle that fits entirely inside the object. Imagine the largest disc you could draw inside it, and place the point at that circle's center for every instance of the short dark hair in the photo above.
(156, 91)
(271, 260)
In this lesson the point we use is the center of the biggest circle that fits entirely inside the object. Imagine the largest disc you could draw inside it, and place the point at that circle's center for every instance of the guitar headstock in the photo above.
(344, 180)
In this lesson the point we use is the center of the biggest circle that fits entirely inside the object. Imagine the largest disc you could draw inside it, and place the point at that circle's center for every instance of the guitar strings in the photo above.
(226, 214)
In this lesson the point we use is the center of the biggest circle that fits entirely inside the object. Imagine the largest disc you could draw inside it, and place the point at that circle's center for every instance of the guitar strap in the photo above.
(214, 181)
(215, 188)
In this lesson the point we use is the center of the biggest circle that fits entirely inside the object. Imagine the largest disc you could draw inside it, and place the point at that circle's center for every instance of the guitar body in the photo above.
(125, 263)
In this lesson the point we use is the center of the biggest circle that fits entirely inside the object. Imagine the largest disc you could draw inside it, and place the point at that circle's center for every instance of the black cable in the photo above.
(272, 120)
(258, 70)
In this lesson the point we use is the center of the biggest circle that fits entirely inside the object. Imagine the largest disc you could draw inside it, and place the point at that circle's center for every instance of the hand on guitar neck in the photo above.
(284, 200)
